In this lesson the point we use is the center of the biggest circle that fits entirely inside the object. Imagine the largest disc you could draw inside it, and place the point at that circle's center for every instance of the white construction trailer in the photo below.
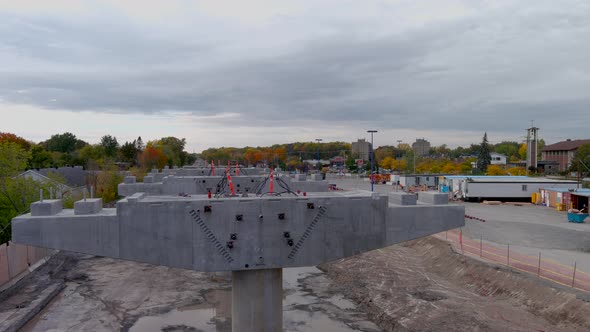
(430, 180)
(479, 189)
(455, 182)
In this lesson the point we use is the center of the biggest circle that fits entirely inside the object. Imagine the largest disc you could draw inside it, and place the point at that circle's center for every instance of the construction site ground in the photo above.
(422, 285)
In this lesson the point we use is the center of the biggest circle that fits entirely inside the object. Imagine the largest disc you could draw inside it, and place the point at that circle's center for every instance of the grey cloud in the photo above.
(493, 71)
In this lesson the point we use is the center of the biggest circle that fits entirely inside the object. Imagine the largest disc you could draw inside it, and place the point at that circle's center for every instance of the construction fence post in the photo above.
(574, 276)
(508, 257)
(461, 238)
(480, 245)
(539, 268)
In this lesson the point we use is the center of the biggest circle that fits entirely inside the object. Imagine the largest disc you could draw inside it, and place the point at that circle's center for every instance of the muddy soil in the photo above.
(423, 285)
(104, 294)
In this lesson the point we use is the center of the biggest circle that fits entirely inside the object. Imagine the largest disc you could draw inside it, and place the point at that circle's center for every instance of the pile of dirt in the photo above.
(423, 285)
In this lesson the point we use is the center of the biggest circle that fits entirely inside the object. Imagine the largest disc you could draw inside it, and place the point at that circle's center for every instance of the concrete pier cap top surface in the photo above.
(237, 233)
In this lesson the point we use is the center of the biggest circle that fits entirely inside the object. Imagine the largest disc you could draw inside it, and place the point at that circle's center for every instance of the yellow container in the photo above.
(534, 198)
(560, 207)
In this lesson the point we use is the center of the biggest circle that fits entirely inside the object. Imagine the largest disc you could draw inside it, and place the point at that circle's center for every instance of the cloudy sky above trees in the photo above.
(236, 73)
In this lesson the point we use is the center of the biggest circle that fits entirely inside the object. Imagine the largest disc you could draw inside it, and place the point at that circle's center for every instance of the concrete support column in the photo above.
(257, 300)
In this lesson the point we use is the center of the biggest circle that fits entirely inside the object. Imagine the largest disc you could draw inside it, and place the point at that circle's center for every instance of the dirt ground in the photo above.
(423, 285)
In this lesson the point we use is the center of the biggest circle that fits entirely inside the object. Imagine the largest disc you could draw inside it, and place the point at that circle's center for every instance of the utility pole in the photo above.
(371, 157)
(579, 173)
(319, 166)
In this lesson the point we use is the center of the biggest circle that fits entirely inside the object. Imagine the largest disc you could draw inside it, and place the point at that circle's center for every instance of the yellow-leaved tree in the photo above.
(522, 151)
(495, 170)
(517, 171)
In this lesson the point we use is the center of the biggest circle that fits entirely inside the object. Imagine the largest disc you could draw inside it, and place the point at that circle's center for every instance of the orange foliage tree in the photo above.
(12, 138)
(152, 157)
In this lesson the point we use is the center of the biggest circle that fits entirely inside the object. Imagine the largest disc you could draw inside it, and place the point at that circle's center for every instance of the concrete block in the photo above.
(94, 234)
(316, 177)
(402, 198)
(300, 177)
(88, 206)
(148, 179)
(433, 197)
(48, 207)
(129, 179)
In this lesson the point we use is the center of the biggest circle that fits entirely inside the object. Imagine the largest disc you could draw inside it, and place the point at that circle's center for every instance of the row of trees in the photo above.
(287, 156)
(453, 161)
(67, 149)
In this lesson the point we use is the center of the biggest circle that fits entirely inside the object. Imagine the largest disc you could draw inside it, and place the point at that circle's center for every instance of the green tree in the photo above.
(540, 145)
(16, 192)
(351, 164)
(65, 143)
(129, 152)
(139, 144)
(13, 159)
(174, 149)
(484, 158)
(92, 154)
(110, 145)
(581, 160)
(509, 149)
(40, 158)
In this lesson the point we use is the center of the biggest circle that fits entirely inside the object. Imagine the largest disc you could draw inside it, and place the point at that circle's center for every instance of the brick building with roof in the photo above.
(563, 152)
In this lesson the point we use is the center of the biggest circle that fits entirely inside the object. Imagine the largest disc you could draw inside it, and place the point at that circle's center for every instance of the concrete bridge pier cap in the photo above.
(255, 237)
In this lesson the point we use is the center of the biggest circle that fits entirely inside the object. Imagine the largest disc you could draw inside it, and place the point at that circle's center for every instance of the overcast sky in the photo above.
(238, 73)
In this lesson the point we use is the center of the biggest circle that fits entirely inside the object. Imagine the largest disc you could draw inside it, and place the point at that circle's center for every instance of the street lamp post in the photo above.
(398, 153)
(371, 157)
(318, 140)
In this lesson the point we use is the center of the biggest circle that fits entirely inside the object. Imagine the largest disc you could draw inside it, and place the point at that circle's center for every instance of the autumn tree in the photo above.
(516, 171)
(152, 157)
(387, 162)
(12, 138)
(383, 152)
(495, 170)
(522, 151)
